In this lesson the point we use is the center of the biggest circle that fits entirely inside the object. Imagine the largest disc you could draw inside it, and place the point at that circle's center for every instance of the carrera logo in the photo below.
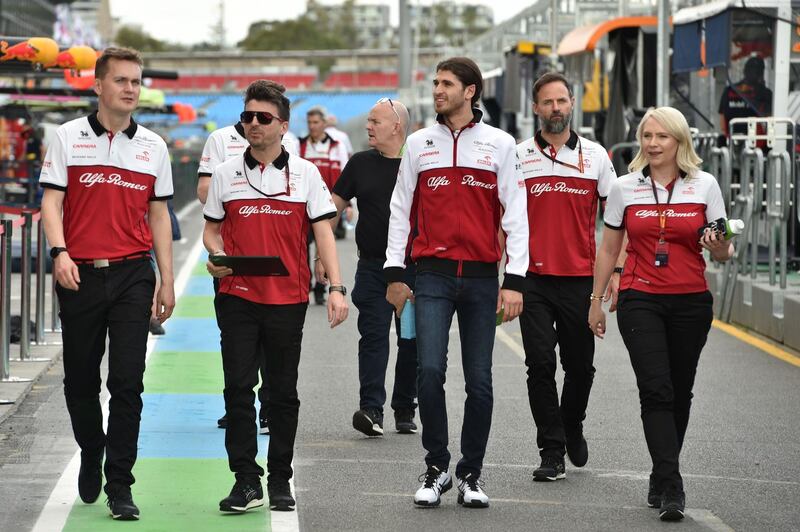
(472, 182)
(248, 210)
(236, 146)
(536, 160)
(487, 160)
(428, 154)
(237, 183)
(144, 156)
(90, 180)
(671, 213)
(436, 182)
(642, 189)
(537, 189)
(84, 146)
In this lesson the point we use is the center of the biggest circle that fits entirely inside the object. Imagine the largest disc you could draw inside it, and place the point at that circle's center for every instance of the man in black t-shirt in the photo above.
(370, 176)
(749, 97)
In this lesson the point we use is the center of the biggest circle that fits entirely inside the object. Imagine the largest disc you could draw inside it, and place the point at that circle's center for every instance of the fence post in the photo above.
(5, 306)
(25, 288)
(41, 273)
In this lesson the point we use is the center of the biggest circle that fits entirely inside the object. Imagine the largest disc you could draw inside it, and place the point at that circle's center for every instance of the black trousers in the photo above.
(113, 302)
(664, 334)
(251, 332)
(263, 390)
(554, 312)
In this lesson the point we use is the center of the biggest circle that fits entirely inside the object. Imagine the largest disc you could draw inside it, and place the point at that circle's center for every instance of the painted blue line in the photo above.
(189, 334)
(199, 285)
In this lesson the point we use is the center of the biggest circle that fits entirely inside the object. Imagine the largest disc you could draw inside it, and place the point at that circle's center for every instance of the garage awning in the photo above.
(584, 38)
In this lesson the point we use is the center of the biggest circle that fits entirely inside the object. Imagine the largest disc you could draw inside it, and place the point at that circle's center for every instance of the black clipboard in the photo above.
(256, 266)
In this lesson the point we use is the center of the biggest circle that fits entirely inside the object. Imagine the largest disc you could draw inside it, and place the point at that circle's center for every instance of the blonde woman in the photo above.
(664, 306)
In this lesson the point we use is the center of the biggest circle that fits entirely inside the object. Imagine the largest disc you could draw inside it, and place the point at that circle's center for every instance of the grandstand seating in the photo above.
(344, 79)
(232, 82)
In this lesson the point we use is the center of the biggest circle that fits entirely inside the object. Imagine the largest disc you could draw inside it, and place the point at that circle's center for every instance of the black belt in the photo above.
(105, 263)
(457, 268)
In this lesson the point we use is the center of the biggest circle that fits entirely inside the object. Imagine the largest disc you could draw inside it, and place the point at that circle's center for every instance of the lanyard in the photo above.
(287, 192)
(662, 212)
(546, 153)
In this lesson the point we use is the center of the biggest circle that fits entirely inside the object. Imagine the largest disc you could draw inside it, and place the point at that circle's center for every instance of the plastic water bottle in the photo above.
(408, 321)
(726, 229)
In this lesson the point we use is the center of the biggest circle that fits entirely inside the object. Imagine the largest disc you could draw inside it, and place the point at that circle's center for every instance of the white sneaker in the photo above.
(470, 492)
(434, 483)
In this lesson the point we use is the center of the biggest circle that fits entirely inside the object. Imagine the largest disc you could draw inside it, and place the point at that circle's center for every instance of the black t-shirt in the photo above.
(733, 106)
(370, 178)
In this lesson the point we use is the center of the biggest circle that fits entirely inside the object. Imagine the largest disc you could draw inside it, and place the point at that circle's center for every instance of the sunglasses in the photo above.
(263, 117)
(384, 100)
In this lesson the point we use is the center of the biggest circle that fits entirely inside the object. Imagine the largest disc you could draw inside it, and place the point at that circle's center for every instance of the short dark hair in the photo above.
(550, 77)
(316, 111)
(467, 73)
(120, 54)
(266, 90)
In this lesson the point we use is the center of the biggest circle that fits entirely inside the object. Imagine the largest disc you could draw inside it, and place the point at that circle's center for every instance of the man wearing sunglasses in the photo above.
(267, 199)
(565, 178)
(223, 144)
(370, 177)
(458, 183)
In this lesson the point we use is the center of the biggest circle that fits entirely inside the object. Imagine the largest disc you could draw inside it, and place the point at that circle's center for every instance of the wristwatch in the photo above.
(618, 269)
(338, 288)
(55, 252)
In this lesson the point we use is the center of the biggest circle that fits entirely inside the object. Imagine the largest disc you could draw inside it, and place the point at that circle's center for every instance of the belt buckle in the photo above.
(100, 263)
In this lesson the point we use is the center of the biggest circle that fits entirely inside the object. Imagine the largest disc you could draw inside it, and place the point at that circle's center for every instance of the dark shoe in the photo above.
(369, 421)
(244, 496)
(263, 426)
(672, 505)
(404, 421)
(121, 506)
(551, 469)
(577, 450)
(156, 328)
(653, 495)
(470, 492)
(223, 422)
(280, 495)
(90, 477)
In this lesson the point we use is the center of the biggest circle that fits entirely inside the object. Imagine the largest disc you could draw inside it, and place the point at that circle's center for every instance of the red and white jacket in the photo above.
(328, 155)
(563, 190)
(695, 201)
(109, 181)
(462, 186)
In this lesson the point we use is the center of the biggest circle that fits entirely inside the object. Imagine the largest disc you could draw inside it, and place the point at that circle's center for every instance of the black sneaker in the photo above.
(280, 495)
(244, 496)
(263, 426)
(653, 495)
(577, 450)
(673, 504)
(551, 469)
(121, 506)
(90, 477)
(369, 421)
(404, 421)
(223, 422)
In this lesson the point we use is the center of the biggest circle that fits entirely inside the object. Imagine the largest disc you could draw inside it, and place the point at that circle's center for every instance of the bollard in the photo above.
(25, 288)
(5, 304)
(752, 179)
(41, 273)
(778, 197)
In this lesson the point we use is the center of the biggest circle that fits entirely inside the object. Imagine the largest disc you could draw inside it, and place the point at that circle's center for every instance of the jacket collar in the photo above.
(572, 141)
(99, 129)
(477, 116)
(280, 161)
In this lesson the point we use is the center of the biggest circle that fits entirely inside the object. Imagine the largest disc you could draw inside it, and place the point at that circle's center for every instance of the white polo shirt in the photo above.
(108, 180)
(228, 142)
(563, 190)
(256, 224)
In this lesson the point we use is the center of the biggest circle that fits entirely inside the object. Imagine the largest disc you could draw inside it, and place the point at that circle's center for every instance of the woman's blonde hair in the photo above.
(675, 123)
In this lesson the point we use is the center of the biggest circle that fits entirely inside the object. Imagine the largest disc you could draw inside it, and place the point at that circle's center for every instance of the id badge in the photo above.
(662, 254)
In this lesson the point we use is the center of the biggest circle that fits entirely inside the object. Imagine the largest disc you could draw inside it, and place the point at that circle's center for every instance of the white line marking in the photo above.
(285, 521)
(708, 519)
(510, 343)
(58, 506)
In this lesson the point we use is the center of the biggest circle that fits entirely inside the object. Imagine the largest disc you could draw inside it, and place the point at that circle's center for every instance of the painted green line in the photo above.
(184, 373)
(200, 269)
(195, 307)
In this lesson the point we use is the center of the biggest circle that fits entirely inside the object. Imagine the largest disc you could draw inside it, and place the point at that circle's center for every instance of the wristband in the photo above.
(618, 269)
(593, 297)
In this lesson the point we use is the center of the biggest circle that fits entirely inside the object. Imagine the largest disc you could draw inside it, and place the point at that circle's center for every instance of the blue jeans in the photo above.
(474, 300)
(374, 321)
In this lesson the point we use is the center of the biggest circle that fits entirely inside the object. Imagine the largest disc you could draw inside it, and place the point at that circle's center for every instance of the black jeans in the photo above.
(263, 390)
(113, 302)
(664, 334)
(554, 312)
(374, 321)
(252, 331)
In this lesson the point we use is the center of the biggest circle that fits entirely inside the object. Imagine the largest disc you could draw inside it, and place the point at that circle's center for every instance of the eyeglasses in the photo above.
(264, 118)
(384, 100)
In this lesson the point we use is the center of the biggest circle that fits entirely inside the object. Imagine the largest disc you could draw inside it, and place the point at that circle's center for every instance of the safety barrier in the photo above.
(25, 220)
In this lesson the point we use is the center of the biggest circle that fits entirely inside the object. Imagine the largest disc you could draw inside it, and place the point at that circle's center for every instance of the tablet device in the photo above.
(259, 266)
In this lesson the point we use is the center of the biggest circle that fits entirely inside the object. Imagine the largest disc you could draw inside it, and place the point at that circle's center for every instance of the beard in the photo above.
(557, 124)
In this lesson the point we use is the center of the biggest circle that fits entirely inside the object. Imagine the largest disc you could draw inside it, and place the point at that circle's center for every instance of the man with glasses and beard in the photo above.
(565, 178)
(267, 199)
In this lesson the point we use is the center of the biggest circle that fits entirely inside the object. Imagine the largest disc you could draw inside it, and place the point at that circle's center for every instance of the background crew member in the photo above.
(565, 176)
(462, 177)
(749, 97)
(370, 176)
(267, 199)
(664, 308)
(337, 134)
(107, 181)
(221, 145)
